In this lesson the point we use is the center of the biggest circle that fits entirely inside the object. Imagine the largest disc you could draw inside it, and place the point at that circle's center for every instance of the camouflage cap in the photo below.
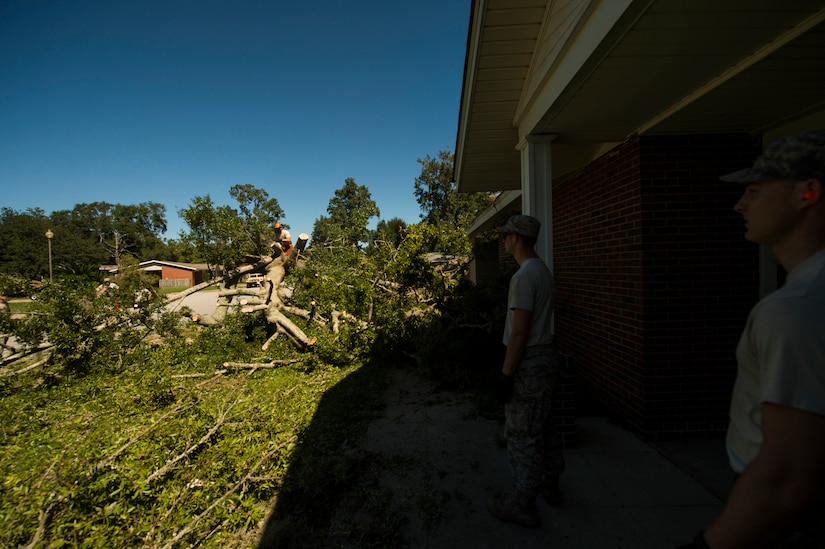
(796, 157)
(524, 225)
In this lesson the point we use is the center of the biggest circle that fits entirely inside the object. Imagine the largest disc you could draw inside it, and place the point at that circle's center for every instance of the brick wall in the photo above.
(174, 273)
(655, 279)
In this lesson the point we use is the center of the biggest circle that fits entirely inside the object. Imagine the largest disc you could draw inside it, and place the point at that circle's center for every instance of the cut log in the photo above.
(256, 365)
(257, 299)
(294, 332)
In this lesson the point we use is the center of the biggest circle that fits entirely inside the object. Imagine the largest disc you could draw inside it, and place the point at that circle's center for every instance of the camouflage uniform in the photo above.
(533, 446)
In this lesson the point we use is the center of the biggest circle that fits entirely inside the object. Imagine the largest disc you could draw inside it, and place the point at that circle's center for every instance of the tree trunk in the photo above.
(248, 300)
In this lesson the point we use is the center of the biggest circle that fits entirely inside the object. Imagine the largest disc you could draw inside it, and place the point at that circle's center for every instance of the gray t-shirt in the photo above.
(781, 357)
(532, 288)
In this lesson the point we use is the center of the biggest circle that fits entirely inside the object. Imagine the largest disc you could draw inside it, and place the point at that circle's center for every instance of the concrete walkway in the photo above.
(202, 302)
(619, 491)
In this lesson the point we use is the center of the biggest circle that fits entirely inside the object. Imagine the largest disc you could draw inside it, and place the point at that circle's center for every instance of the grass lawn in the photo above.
(171, 448)
(22, 305)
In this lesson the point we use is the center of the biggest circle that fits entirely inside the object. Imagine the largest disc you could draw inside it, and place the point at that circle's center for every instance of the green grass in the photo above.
(137, 457)
(22, 306)
(167, 291)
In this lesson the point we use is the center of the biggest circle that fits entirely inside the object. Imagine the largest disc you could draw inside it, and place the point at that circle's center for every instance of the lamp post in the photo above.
(49, 235)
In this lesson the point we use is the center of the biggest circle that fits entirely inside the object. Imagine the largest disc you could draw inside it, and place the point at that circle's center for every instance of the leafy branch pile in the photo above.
(138, 434)
(158, 445)
(139, 428)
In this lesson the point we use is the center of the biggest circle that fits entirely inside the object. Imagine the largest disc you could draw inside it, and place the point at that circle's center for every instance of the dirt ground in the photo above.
(435, 465)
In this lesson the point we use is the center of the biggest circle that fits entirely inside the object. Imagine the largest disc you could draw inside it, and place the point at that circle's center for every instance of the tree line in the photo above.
(100, 233)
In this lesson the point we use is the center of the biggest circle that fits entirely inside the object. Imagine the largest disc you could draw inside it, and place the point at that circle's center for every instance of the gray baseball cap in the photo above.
(796, 157)
(525, 225)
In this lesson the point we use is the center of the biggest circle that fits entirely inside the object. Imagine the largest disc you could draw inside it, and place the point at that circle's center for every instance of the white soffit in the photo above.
(594, 72)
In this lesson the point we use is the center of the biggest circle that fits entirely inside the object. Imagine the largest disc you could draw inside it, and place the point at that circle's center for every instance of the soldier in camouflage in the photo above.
(529, 376)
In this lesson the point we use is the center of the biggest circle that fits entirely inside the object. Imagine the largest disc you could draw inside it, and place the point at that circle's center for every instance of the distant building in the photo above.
(171, 274)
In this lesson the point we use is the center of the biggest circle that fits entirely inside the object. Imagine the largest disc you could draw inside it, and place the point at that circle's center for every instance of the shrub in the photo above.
(14, 286)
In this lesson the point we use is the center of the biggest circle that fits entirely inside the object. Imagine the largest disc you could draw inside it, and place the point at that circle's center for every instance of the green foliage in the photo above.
(450, 211)
(259, 213)
(80, 452)
(117, 228)
(379, 288)
(224, 236)
(210, 231)
(461, 345)
(387, 233)
(136, 434)
(180, 250)
(417, 307)
(85, 237)
(410, 266)
(11, 285)
(23, 245)
(105, 435)
(88, 328)
(334, 279)
(350, 210)
(120, 452)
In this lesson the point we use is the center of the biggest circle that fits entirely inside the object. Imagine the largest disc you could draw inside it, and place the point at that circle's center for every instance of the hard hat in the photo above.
(278, 225)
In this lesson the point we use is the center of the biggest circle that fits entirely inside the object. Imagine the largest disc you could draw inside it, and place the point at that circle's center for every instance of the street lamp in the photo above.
(49, 235)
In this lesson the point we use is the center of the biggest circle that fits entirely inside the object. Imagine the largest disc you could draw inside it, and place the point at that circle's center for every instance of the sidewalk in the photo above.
(619, 492)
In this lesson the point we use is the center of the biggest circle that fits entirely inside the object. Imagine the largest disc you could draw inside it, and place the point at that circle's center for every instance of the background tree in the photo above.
(450, 211)
(179, 250)
(23, 245)
(325, 232)
(76, 249)
(118, 228)
(211, 229)
(223, 236)
(259, 213)
(88, 235)
(350, 210)
(391, 232)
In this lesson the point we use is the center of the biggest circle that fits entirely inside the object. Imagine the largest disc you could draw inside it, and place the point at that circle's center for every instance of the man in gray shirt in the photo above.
(529, 375)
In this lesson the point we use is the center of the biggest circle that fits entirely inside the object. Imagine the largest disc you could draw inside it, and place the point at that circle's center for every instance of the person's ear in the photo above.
(813, 191)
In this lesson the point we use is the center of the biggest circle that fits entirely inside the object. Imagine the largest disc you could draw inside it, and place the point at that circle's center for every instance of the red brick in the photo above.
(654, 279)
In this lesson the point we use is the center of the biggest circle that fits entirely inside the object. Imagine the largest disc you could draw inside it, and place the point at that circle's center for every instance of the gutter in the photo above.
(508, 202)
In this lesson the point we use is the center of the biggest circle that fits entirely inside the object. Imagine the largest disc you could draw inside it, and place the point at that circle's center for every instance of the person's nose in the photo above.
(740, 206)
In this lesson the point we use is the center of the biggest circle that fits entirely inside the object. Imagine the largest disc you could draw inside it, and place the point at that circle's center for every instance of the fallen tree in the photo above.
(235, 297)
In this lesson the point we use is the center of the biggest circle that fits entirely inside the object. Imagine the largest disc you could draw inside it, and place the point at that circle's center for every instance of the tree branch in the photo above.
(110, 459)
(266, 260)
(191, 526)
(256, 365)
(26, 369)
(42, 520)
(189, 451)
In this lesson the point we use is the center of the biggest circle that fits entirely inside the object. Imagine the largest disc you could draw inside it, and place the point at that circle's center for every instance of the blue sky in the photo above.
(137, 101)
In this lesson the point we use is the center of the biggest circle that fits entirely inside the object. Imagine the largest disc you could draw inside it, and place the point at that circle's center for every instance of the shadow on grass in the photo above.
(331, 477)
(330, 496)
(327, 467)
